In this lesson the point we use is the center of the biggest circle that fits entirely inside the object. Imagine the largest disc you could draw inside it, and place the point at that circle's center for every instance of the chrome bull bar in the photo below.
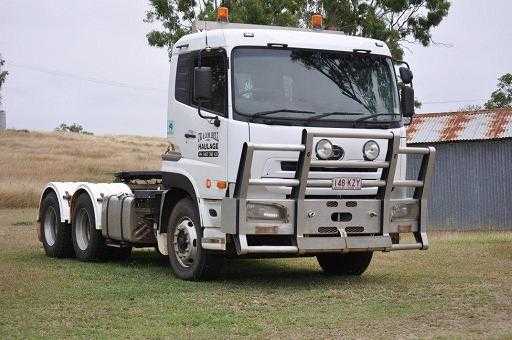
(303, 222)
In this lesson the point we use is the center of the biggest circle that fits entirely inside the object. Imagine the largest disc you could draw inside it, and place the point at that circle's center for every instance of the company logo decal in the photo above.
(170, 127)
(208, 144)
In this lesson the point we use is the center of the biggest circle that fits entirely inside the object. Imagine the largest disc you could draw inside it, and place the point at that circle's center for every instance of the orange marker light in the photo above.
(316, 21)
(223, 14)
(222, 185)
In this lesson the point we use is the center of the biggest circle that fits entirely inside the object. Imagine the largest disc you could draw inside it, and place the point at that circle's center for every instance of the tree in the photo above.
(3, 76)
(502, 97)
(74, 128)
(393, 21)
(470, 107)
(177, 16)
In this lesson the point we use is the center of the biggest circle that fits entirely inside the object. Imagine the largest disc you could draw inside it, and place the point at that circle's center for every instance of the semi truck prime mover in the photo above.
(283, 142)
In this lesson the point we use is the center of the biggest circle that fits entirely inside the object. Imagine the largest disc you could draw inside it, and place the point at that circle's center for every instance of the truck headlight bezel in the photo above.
(266, 212)
(371, 150)
(405, 212)
(324, 149)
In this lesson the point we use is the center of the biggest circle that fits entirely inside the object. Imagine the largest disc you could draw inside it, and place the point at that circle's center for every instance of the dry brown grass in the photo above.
(29, 160)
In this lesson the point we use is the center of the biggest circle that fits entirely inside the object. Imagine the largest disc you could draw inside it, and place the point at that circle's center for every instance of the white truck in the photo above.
(283, 142)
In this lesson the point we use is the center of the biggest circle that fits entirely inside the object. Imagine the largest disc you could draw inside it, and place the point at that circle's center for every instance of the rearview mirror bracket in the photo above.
(202, 89)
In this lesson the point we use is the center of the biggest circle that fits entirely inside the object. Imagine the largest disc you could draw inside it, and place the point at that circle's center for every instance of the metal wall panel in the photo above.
(472, 185)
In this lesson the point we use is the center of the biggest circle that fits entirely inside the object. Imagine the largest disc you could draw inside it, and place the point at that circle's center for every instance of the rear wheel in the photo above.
(88, 242)
(188, 259)
(56, 236)
(354, 263)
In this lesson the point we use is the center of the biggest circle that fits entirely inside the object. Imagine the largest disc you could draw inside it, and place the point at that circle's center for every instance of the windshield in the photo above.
(300, 84)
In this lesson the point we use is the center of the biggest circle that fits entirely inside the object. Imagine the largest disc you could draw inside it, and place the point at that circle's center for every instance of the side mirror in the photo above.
(405, 75)
(407, 101)
(202, 84)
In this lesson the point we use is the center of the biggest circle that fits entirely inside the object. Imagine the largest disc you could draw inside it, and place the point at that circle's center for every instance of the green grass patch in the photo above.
(461, 287)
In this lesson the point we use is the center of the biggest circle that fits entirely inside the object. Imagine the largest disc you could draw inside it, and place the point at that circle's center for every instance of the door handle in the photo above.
(190, 135)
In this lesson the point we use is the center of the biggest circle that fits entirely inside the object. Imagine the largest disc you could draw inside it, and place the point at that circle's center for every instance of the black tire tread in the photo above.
(354, 263)
(63, 246)
(96, 249)
(209, 264)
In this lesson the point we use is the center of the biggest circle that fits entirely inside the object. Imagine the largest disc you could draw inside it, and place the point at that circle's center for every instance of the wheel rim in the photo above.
(185, 243)
(83, 229)
(50, 226)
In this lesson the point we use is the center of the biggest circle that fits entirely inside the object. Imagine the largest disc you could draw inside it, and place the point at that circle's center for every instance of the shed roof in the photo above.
(457, 126)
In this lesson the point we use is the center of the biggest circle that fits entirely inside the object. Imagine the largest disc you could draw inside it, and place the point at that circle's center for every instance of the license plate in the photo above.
(346, 183)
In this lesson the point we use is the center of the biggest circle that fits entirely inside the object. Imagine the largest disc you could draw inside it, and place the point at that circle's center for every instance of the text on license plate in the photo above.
(346, 183)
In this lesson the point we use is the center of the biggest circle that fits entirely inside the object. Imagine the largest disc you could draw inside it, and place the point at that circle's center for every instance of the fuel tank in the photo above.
(123, 220)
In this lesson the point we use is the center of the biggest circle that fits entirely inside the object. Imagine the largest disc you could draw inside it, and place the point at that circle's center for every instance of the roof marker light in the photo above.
(317, 21)
(223, 14)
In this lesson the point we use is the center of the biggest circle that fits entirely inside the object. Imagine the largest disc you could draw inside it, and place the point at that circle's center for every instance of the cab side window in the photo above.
(184, 87)
(183, 78)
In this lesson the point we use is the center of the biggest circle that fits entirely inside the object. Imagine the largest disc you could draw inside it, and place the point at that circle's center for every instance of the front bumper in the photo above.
(329, 225)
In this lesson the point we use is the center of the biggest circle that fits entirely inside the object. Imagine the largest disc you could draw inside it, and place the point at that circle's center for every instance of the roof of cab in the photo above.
(232, 35)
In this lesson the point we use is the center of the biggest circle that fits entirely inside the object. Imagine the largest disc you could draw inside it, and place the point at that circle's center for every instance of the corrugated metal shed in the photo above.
(457, 126)
(471, 187)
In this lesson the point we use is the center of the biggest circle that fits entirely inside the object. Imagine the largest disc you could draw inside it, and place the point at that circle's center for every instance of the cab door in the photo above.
(202, 144)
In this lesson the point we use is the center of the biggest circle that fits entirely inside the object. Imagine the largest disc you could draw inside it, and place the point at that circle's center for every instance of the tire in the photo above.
(188, 259)
(354, 263)
(56, 236)
(88, 242)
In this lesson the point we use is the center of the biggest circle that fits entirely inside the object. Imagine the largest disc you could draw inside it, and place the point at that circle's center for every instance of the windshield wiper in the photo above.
(264, 113)
(362, 119)
(327, 114)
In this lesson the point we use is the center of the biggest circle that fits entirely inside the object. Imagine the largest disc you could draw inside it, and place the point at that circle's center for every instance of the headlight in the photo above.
(324, 149)
(371, 150)
(405, 211)
(266, 212)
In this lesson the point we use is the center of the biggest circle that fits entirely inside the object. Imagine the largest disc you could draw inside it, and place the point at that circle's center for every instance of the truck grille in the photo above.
(292, 166)
(328, 230)
(355, 229)
(334, 230)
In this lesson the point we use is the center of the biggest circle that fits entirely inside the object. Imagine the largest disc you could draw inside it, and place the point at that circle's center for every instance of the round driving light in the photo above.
(324, 149)
(371, 150)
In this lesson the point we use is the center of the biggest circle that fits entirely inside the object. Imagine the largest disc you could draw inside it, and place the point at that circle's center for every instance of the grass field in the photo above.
(461, 287)
(29, 160)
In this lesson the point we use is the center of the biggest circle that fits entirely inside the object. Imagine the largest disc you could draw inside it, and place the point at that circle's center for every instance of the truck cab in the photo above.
(269, 84)
(282, 142)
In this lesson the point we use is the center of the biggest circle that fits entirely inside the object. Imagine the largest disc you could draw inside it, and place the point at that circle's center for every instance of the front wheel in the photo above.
(188, 259)
(354, 263)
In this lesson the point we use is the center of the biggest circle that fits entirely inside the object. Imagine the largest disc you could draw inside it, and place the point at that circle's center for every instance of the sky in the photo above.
(88, 61)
